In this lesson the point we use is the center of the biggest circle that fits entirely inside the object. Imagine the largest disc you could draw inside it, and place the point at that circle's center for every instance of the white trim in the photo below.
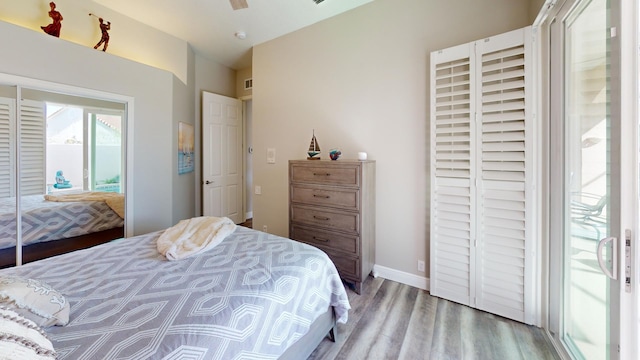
(629, 302)
(249, 215)
(539, 257)
(17, 151)
(401, 277)
(557, 345)
(544, 12)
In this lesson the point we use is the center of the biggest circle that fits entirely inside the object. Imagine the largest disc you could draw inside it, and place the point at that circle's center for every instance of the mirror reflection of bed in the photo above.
(67, 145)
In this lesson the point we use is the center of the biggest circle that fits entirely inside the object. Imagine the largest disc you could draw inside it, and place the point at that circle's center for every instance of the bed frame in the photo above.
(38, 251)
(324, 326)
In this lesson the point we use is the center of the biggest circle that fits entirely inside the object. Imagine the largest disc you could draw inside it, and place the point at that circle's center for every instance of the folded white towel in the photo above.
(191, 236)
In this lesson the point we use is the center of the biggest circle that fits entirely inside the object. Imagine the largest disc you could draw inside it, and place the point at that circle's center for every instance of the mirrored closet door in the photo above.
(62, 164)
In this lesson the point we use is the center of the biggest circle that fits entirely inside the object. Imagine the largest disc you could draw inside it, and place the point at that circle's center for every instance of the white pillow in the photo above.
(35, 300)
(21, 338)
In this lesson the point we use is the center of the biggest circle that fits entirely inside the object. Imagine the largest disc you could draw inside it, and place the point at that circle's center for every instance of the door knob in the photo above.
(208, 182)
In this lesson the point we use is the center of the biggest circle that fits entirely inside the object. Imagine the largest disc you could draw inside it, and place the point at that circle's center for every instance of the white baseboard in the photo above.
(249, 215)
(401, 277)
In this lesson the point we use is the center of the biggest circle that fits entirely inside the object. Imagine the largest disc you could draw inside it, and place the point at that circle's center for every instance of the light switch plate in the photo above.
(271, 156)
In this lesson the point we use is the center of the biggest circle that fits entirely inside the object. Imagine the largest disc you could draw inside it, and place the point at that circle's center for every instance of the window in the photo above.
(84, 146)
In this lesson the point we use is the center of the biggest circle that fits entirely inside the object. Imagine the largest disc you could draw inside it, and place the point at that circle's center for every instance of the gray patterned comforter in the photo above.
(48, 220)
(250, 297)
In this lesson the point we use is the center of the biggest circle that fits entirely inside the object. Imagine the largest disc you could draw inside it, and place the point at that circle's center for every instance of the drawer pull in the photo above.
(320, 239)
(321, 218)
(321, 196)
(319, 174)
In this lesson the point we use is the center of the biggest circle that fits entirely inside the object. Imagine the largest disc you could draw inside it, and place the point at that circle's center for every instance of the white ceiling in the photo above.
(209, 25)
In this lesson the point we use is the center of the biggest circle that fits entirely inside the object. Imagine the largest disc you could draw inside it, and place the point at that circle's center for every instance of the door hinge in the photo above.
(627, 260)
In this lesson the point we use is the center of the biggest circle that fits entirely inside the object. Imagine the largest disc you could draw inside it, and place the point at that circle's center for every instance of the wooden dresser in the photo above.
(332, 207)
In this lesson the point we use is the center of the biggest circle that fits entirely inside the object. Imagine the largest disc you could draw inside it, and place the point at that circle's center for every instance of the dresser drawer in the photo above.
(334, 197)
(326, 218)
(326, 239)
(328, 175)
(348, 267)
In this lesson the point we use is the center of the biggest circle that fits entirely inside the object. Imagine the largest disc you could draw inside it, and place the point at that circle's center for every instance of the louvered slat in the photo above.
(504, 53)
(505, 95)
(502, 65)
(452, 111)
(503, 116)
(454, 121)
(7, 172)
(517, 125)
(32, 147)
(504, 86)
(452, 93)
(514, 74)
(502, 198)
(451, 168)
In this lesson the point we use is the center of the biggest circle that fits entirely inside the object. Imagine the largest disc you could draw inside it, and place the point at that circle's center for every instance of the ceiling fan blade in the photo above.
(239, 4)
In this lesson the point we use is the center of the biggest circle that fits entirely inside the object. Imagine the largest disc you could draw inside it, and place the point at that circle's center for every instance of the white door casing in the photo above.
(222, 182)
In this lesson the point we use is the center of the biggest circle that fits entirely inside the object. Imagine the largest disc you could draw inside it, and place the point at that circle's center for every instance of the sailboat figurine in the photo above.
(314, 148)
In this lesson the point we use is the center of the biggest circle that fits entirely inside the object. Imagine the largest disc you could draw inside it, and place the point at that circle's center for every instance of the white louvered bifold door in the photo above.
(7, 146)
(32, 147)
(492, 203)
(452, 168)
(504, 171)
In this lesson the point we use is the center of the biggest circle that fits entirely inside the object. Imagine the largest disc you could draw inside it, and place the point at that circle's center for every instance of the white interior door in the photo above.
(222, 182)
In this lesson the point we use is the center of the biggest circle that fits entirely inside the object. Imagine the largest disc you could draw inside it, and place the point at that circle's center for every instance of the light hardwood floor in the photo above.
(396, 321)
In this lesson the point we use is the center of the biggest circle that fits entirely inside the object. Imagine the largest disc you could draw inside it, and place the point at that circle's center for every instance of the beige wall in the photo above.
(534, 9)
(128, 38)
(361, 81)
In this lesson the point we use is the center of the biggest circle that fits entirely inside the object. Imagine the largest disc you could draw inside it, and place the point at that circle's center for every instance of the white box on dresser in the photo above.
(332, 207)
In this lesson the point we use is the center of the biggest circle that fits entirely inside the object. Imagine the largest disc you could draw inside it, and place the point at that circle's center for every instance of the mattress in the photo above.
(250, 297)
(48, 220)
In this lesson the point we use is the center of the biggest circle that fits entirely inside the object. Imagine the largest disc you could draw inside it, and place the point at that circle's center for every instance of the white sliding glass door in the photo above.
(590, 301)
(587, 231)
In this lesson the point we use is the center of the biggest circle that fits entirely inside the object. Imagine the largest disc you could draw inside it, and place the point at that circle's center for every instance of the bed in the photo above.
(79, 223)
(253, 296)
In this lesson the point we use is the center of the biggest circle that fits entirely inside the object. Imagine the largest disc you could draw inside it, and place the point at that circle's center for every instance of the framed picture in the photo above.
(186, 159)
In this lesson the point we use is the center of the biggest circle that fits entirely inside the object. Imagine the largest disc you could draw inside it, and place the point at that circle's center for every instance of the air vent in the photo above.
(248, 84)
